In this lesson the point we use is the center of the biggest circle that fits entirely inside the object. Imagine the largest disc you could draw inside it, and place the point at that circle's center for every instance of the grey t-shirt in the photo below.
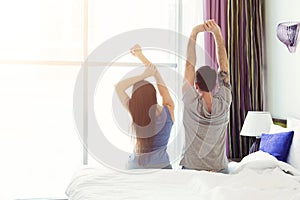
(205, 133)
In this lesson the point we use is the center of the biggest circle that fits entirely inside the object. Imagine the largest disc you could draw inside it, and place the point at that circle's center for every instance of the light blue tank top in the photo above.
(158, 157)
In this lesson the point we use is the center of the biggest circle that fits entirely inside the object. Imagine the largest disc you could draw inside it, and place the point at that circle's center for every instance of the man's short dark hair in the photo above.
(206, 78)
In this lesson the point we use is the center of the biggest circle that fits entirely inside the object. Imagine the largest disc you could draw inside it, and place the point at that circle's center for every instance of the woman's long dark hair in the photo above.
(141, 109)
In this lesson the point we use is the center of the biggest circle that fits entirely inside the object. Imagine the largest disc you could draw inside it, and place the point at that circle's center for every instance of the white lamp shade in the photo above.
(256, 123)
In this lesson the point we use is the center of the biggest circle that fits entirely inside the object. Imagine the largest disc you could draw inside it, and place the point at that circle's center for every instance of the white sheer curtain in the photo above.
(42, 46)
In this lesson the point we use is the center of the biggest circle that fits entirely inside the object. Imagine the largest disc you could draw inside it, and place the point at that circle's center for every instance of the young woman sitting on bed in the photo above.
(151, 122)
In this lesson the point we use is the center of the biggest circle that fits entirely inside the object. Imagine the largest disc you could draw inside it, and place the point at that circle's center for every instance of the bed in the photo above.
(258, 176)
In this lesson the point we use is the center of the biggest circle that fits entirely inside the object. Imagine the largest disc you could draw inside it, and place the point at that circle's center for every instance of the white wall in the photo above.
(283, 67)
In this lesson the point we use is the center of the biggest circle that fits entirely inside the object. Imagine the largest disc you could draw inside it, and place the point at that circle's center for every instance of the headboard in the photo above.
(280, 122)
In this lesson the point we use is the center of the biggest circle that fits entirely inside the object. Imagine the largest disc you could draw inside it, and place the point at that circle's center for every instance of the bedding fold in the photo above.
(257, 176)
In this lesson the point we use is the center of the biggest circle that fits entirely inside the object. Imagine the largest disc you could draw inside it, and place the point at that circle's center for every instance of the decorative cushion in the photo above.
(277, 144)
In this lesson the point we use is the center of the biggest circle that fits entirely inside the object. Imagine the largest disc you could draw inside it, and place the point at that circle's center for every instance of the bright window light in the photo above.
(41, 30)
(42, 46)
(39, 145)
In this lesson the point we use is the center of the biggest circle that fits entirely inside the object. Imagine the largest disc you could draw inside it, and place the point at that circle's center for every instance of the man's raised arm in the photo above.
(189, 73)
(222, 58)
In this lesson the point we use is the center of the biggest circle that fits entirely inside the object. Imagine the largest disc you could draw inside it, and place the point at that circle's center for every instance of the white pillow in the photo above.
(292, 122)
(294, 154)
(278, 129)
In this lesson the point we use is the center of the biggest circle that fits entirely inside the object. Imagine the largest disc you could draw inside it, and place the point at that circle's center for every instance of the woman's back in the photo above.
(164, 125)
(157, 156)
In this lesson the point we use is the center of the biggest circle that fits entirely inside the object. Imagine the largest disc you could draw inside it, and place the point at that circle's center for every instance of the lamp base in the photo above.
(255, 146)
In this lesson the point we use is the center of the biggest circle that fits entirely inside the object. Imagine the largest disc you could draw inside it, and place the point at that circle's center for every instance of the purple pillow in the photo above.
(277, 144)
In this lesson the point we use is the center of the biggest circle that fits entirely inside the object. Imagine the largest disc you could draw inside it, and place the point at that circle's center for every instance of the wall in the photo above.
(283, 67)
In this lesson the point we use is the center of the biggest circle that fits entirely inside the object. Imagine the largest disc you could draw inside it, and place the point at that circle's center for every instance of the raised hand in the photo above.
(212, 26)
(199, 28)
(136, 50)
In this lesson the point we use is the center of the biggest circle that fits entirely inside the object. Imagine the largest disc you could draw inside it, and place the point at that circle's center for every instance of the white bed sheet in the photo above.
(258, 176)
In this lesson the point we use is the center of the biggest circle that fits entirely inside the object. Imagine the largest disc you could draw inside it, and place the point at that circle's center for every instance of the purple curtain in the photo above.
(246, 54)
(217, 10)
(241, 23)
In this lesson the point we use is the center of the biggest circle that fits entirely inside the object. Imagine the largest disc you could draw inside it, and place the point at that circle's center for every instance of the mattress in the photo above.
(257, 176)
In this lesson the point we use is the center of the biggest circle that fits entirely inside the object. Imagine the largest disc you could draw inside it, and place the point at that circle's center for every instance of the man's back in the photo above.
(205, 132)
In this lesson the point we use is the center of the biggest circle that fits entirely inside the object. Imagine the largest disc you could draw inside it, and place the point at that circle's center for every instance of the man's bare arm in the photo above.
(189, 73)
(222, 58)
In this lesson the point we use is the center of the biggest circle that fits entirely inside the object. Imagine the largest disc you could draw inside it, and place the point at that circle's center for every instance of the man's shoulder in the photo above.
(224, 94)
(190, 96)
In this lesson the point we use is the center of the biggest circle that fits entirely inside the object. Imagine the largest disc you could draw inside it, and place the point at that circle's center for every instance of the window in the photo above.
(43, 44)
(39, 147)
(36, 30)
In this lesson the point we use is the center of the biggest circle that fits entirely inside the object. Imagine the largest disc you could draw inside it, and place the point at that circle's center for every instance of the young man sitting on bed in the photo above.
(206, 115)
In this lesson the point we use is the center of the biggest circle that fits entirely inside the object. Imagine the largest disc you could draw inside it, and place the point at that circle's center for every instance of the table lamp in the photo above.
(256, 123)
